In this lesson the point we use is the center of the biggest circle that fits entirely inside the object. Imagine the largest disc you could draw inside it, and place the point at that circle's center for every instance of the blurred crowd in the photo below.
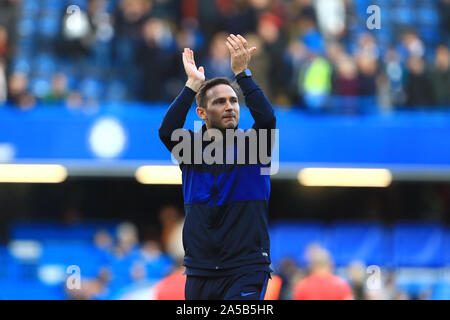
(144, 261)
(312, 54)
(133, 257)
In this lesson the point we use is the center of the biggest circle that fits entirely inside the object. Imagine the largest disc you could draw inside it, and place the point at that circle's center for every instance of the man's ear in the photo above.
(201, 113)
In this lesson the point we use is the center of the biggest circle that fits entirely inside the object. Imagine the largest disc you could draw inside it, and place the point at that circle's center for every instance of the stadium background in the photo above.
(84, 85)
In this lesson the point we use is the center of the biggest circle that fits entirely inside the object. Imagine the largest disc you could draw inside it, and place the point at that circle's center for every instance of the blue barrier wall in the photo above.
(405, 138)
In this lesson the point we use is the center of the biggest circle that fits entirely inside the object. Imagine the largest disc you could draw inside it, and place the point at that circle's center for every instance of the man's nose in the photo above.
(229, 106)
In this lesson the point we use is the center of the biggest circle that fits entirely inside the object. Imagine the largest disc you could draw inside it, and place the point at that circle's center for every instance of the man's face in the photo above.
(222, 111)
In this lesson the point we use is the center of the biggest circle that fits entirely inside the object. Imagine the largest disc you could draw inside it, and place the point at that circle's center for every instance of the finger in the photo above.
(238, 41)
(230, 47)
(201, 69)
(185, 62)
(252, 50)
(192, 57)
(244, 42)
(233, 43)
(189, 54)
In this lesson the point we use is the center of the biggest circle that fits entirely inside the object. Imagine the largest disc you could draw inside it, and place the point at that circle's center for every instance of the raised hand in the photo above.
(195, 76)
(240, 52)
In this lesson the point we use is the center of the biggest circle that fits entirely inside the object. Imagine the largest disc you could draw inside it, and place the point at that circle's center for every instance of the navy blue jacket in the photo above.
(226, 205)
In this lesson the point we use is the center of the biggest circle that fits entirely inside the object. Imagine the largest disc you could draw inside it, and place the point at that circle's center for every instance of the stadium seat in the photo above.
(49, 26)
(44, 65)
(428, 17)
(403, 15)
(116, 91)
(29, 290)
(52, 231)
(417, 282)
(365, 242)
(30, 8)
(26, 27)
(291, 239)
(91, 88)
(418, 245)
(64, 254)
(40, 87)
(447, 248)
(441, 291)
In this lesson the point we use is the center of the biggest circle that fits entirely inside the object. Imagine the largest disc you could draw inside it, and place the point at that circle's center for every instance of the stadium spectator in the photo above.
(4, 46)
(188, 35)
(171, 287)
(315, 82)
(91, 289)
(238, 16)
(125, 253)
(418, 87)
(154, 56)
(18, 94)
(150, 262)
(331, 18)
(171, 236)
(290, 275)
(356, 272)
(273, 288)
(269, 29)
(440, 76)
(261, 62)
(217, 62)
(395, 74)
(59, 92)
(3, 87)
(346, 82)
(444, 10)
(104, 242)
(321, 284)
(135, 45)
(367, 75)
(9, 14)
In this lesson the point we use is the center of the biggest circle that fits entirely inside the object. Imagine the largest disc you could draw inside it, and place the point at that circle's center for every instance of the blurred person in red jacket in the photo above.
(171, 287)
(321, 284)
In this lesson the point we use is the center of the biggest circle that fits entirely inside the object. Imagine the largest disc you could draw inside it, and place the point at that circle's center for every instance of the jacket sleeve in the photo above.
(259, 106)
(176, 116)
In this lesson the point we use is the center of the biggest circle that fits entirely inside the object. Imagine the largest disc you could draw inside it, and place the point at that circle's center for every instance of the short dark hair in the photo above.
(200, 97)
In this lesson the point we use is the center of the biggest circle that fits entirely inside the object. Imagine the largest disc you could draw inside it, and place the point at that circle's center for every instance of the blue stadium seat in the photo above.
(52, 231)
(26, 27)
(418, 245)
(429, 35)
(9, 267)
(116, 91)
(21, 64)
(441, 291)
(91, 88)
(447, 247)
(404, 15)
(49, 26)
(418, 283)
(290, 239)
(365, 242)
(428, 17)
(40, 87)
(86, 256)
(54, 5)
(29, 290)
(44, 65)
(30, 8)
